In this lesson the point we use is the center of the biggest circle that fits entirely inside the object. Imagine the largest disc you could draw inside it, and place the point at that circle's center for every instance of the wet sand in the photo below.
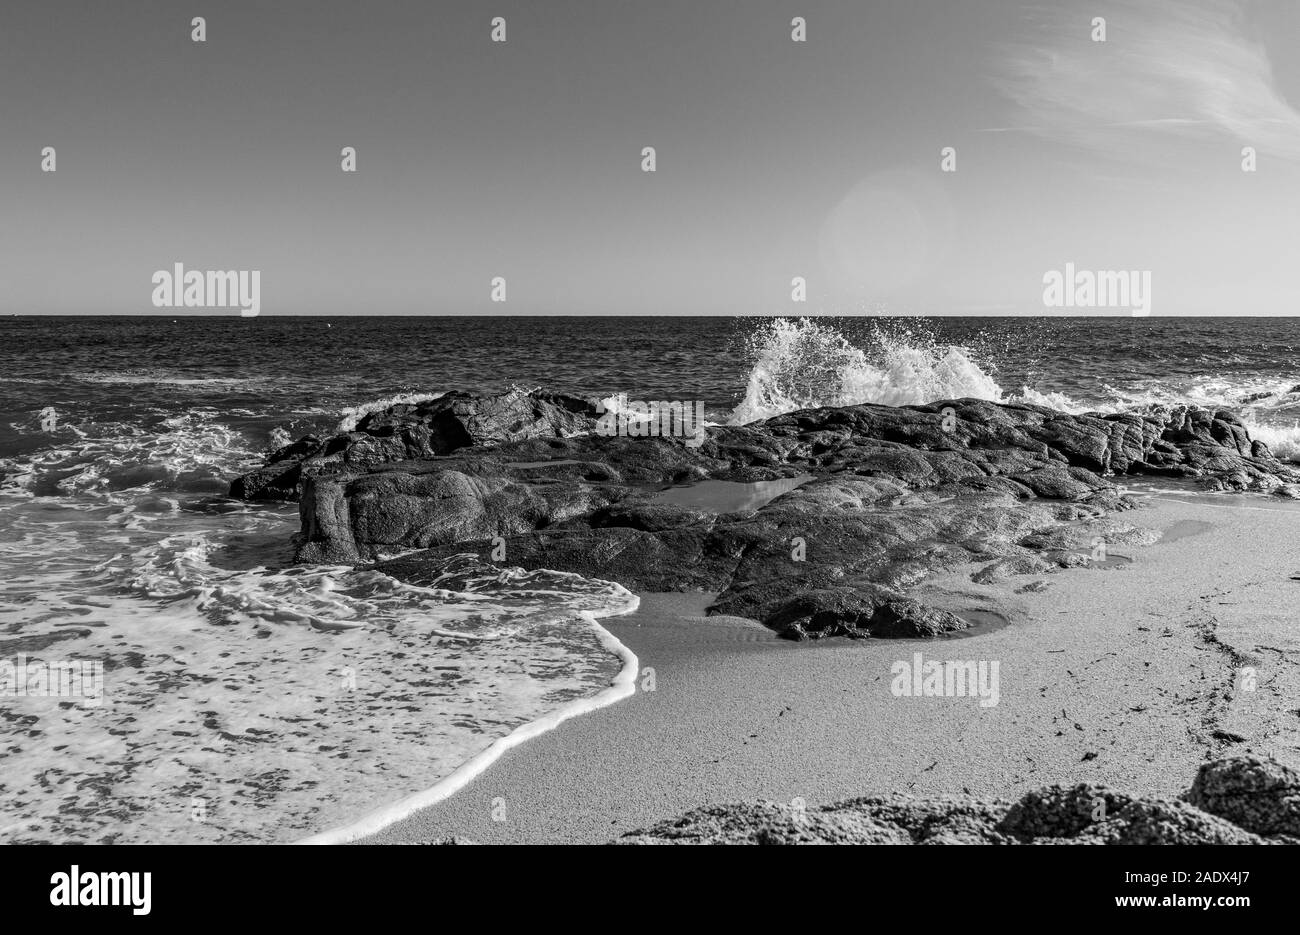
(1130, 674)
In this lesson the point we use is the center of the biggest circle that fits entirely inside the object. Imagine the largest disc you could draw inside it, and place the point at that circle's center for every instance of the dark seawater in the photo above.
(300, 373)
(248, 699)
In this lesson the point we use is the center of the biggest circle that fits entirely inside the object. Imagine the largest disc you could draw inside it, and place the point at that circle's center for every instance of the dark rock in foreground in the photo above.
(892, 496)
(1262, 796)
(417, 430)
(1241, 800)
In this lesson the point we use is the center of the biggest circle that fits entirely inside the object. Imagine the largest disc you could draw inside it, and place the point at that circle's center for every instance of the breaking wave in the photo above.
(1282, 440)
(803, 364)
(190, 453)
(351, 415)
(806, 364)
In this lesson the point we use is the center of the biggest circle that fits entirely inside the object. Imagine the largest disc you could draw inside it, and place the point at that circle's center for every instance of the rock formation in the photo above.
(888, 496)
(1241, 800)
(417, 430)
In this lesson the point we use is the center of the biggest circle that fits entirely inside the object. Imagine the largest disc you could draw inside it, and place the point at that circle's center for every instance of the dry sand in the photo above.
(1121, 675)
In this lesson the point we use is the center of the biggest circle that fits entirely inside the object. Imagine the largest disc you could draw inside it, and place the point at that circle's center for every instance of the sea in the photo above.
(247, 699)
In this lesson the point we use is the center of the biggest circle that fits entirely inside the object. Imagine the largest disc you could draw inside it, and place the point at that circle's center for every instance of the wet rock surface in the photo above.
(891, 496)
(1241, 800)
(417, 430)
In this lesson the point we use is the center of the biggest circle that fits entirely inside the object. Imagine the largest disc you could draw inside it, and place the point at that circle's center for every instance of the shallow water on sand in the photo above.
(1184, 529)
(241, 698)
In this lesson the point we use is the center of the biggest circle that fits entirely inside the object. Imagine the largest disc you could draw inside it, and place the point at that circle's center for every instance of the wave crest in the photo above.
(351, 415)
(804, 364)
(193, 453)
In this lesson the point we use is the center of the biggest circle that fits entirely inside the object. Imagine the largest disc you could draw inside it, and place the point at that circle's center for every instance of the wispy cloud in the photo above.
(1170, 69)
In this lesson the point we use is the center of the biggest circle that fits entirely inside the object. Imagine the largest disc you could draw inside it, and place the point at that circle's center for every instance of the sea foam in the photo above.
(271, 700)
(351, 415)
(803, 364)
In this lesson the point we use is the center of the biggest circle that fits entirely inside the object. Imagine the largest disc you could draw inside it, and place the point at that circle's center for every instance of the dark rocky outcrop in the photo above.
(890, 495)
(417, 430)
(916, 445)
(1242, 800)
(1262, 796)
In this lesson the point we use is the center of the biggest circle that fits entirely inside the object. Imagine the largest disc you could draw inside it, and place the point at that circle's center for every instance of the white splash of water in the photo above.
(193, 453)
(351, 415)
(1058, 401)
(804, 364)
(1282, 440)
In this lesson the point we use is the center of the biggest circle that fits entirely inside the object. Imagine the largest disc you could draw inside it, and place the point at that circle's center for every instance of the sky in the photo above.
(775, 159)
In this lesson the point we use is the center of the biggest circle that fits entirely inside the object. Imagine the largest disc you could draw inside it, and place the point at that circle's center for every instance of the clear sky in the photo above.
(775, 158)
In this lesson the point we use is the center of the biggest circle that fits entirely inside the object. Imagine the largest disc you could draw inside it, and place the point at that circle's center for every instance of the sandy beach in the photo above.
(1131, 674)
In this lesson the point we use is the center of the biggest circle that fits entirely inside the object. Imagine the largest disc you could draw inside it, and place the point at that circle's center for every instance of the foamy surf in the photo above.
(351, 415)
(806, 364)
(248, 699)
(803, 364)
(193, 453)
(1269, 405)
(1282, 440)
(622, 686)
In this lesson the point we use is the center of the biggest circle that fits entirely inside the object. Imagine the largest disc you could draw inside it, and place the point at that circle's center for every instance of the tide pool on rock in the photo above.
(722, 496)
